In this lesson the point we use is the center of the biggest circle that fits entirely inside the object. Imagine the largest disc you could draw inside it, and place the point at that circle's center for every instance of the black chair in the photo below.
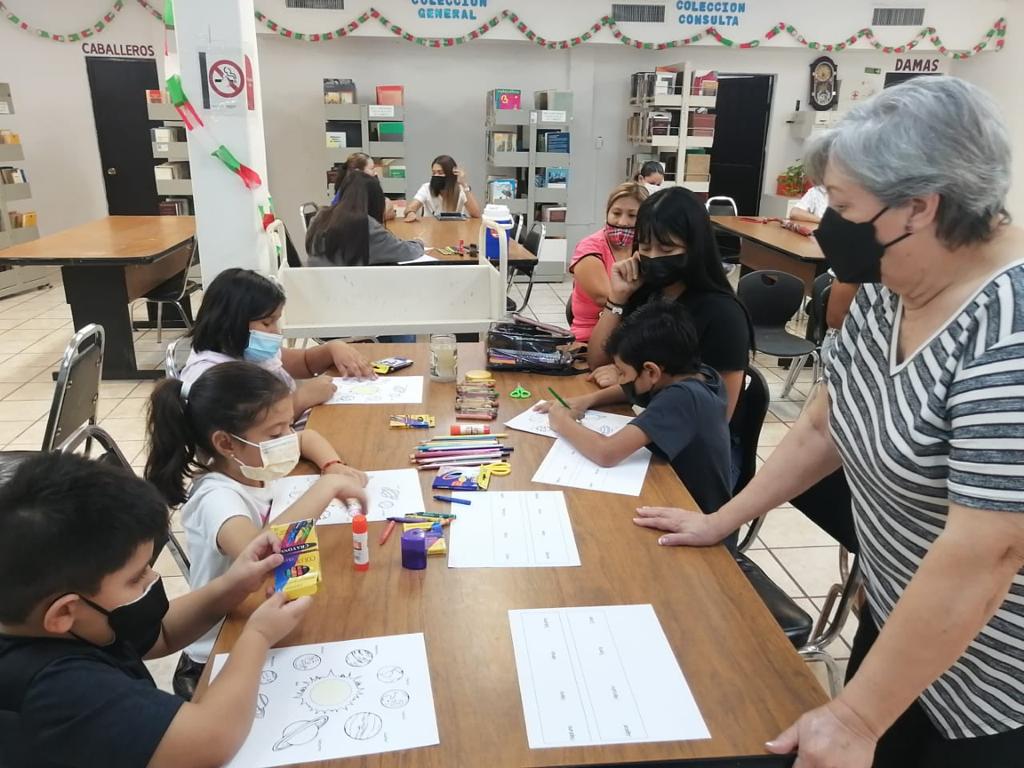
(532, 242)
(306, 213)
(77, 391)
(728, 245)
(568, 313)
(795, 622)
(175, 292)
(772, 298)
(817, 327)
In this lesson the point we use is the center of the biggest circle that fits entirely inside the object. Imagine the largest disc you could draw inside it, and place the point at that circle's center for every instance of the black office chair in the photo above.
(532, 242)
(817, 327)
(795, 622)
(772, 298)
(306, 213)
(728, 245)
(176, 292)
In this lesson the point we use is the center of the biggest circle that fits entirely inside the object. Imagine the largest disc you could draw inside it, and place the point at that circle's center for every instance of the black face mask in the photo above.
(851, 248)
(437, 185)
(137, 623)
(662, 271)
(643, 399)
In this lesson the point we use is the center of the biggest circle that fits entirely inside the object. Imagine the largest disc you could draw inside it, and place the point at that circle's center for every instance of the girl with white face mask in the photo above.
(231, 431)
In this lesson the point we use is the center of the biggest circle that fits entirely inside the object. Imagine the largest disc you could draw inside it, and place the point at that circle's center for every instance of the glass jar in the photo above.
(444, 357)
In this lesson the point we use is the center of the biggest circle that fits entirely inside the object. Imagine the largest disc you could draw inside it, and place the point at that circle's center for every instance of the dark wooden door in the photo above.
(122, 128)
(741, 131)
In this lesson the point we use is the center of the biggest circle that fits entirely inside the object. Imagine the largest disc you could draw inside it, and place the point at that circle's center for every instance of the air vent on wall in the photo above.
(647, 14)
(898, 17)
(320, 5)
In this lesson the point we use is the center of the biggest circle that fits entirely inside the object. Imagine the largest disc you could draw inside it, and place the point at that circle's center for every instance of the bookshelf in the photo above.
(377, 130)
(171, 148)
(14, 191)
(673, 122)
(518, 150)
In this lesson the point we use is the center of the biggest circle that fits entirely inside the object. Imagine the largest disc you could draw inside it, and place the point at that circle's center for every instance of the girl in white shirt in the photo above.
(446, 192)
(231, 431)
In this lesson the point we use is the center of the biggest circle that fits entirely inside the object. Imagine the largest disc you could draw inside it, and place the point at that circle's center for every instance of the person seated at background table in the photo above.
(678, 261)
(230, 433)
(351, 232)
(74, 691)
(446, 192)
(652, 176)
(812, 205)
(595, 254)
(240, 319)
(657, 356)
(359, 161)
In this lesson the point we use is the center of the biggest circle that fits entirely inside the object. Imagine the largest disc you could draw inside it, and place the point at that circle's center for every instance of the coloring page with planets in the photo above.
(386, 389)
(335, 700)
(389, 493)
(537, 423)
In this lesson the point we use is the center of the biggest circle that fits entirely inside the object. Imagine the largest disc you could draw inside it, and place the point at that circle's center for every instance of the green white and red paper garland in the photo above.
(996, 35)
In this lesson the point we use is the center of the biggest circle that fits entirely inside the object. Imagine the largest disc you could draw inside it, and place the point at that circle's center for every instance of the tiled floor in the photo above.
(35, 327)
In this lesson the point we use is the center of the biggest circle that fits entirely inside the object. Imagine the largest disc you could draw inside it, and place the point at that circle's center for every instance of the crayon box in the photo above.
(299, 574)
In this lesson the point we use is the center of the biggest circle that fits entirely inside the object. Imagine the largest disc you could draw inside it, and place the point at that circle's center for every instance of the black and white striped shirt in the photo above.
(945, 425)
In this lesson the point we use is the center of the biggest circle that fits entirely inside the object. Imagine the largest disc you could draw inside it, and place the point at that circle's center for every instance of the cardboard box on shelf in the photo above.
(702, 124)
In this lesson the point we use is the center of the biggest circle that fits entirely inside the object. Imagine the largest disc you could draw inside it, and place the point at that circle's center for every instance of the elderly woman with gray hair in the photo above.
(924, 409)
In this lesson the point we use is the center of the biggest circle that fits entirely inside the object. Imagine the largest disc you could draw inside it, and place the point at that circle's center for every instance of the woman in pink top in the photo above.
(594, 256)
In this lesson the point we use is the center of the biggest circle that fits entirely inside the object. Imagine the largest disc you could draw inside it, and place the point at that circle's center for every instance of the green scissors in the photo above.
(519, 393)
(499, 468)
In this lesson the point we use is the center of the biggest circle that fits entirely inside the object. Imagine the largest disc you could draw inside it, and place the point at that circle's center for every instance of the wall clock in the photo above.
(824, 91)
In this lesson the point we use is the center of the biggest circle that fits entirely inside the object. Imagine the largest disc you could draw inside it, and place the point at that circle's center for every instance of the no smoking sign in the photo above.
(227, 81)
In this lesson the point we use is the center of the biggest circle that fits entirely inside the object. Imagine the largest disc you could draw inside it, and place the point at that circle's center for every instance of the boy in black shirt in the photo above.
(656, 352)
(81, 607)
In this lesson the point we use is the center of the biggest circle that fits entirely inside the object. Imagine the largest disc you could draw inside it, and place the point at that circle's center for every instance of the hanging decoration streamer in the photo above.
(996, 35)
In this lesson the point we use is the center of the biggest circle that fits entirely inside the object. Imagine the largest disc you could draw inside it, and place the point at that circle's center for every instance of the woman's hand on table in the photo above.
(832, 736)
(624, 280)
(683, 527)
(604, 376)
(351, 473)
(411, 216)
(349, 362)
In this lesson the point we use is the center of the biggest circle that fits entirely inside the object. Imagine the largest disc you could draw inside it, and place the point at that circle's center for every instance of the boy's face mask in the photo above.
(137, 623)
(635, 397)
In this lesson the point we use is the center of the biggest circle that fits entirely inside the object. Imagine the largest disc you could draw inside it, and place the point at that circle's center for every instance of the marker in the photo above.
(451, 500)
(387, 532)
(419, 519)
(558, 397)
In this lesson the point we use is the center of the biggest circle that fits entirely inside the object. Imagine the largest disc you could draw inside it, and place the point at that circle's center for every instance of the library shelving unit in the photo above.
(15, 279)
(365, 127)
(170, 152)
(529, 161)
(673, 122)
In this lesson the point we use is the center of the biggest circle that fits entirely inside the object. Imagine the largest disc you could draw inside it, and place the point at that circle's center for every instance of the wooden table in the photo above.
(438, 234)
(747, 680)
(107, 263)
(769, 246)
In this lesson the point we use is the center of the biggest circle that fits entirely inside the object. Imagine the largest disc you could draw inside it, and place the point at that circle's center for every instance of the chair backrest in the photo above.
(77, 393)
(568, 313)
(518, 227)
(535, 238)
(175, 356)
(771, 297)
(747, 422)
(817, 310)
(720, 205)
(306, 212)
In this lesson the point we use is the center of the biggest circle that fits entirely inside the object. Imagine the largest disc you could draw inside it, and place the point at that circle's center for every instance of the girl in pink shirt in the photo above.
(595, 254)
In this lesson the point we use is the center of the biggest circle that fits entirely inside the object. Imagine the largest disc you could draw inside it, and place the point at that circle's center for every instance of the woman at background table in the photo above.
(652, 176)
(351, 232)
(240, 319)
(446, 192)
(595, 255)
(812, 205)
(678, 261)
(925, 411)
(359, 161)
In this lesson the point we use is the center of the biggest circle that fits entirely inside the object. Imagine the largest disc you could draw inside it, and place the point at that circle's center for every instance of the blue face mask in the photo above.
(262, 346)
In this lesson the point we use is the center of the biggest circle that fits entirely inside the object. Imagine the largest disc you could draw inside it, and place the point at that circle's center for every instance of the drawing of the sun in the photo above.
(330, 692)
(364, 389)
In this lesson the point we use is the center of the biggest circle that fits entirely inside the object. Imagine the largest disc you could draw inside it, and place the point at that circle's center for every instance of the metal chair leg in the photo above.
(835, 684)
(796, 365)
(159, 322)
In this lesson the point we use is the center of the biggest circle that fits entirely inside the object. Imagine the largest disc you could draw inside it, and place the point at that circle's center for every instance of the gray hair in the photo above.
(929, 135)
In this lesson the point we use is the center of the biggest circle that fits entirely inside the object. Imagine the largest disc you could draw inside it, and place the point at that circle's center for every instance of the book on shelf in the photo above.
(156, 97)
(337, 139)
(175, 206)
(705, 84)
(339, 91)
(501, 189)
(702, 123)
(552, 213)
(9, 137)
(553, 141)
(21, 220)
(171, 171)
(12, 175)
(389, 131)
(352, 129)
(507, 98)
(504, 141)
(698, 166)
(391, 94)
(167, 134)
(392, 168)
(556, 178)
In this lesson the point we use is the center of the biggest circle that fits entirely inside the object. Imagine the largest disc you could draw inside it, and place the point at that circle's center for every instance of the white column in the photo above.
(227, 219)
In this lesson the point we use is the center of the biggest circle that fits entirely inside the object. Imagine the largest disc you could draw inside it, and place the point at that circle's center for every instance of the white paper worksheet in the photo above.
(537, 423)
(600, 675)
(389, 493)
(515, 529)
(335, 700)
(386, 389)
(564, 465)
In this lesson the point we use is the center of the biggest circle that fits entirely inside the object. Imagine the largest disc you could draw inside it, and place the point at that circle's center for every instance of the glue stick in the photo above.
(360, 543)
(470, 429)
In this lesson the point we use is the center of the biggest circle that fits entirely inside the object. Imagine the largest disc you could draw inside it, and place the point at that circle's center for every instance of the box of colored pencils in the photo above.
(299, 574)
(464, 451)
(476, 400)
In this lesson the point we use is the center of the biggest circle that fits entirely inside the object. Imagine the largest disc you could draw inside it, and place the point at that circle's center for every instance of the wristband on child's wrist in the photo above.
(330, 464)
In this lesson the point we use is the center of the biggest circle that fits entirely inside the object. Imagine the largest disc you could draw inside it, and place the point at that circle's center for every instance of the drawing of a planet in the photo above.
(267, 676)
(363, 725)
(394, 699)
(306, 661)
(299, 733)
(360, 657)
(390, 674)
